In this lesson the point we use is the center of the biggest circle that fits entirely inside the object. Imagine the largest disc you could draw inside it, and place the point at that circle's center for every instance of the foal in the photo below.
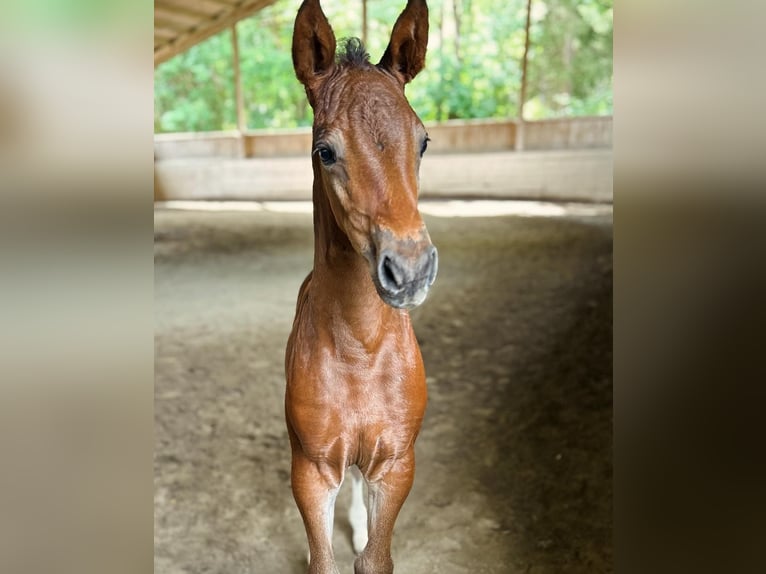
(356, 391)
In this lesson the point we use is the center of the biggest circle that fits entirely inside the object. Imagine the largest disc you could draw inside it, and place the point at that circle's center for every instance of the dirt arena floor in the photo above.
(514, 460)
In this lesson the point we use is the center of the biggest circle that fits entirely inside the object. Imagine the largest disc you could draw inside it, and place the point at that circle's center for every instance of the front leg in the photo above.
(315, 490)
(386, 497)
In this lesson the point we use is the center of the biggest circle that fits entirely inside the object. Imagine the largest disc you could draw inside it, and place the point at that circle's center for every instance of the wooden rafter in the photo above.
(205, 8)
(164, 34)
(190, 30)
(178, 16)
(166, 23)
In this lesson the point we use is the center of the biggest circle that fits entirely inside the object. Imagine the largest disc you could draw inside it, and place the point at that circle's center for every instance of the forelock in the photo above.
(353, 54)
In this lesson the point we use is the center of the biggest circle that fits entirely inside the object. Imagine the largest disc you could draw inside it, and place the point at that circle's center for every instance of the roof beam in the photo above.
(203, 8)
(207, 28)
(176, 16)
(160, 22)
(164, 33)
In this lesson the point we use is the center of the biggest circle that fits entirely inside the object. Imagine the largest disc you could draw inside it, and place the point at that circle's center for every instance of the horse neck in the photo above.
(332, 248)
(341, 281)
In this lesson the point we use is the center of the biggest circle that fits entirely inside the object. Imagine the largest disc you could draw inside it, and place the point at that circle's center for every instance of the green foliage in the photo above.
(195, 90)
(473, 74)
(570, 59)
(273, 97)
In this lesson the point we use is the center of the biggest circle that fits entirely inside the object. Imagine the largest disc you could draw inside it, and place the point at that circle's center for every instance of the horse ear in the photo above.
(406, 52)
(313, 46)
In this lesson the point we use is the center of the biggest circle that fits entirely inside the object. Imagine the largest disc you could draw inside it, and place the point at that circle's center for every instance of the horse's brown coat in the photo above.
(356, 391)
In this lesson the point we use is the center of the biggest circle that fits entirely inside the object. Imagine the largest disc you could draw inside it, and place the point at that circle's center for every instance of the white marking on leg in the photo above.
(330, 512)
(357, 513)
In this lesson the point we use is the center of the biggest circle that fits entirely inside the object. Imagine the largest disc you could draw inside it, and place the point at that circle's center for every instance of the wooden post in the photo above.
(241, 120)
(364, 22)
(523, 93)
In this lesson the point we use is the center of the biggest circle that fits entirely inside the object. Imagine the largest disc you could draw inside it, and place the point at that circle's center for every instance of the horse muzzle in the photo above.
(404, 269)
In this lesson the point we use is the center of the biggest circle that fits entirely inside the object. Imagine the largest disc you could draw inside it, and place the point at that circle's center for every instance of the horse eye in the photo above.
(326, 155)
(424, 146)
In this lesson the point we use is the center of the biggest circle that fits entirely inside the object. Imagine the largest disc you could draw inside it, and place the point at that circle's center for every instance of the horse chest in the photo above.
(367, 410)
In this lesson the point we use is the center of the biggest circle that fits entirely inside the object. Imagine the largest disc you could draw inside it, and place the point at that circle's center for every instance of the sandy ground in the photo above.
(514, 459)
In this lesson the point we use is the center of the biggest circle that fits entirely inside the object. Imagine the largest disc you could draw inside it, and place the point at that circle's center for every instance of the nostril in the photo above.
(389, 276)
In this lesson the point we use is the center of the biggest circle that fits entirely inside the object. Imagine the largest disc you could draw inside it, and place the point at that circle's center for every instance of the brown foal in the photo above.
(356, 390)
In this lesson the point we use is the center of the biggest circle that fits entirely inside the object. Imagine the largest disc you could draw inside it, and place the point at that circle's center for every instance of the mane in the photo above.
(353, 53)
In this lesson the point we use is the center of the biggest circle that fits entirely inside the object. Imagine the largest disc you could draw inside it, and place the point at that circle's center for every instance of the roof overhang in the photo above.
(180, 24)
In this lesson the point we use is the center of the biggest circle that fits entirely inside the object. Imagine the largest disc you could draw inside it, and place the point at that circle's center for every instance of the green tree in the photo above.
(473, 67)
(570, 60)
(195, 90)
(273, 97)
